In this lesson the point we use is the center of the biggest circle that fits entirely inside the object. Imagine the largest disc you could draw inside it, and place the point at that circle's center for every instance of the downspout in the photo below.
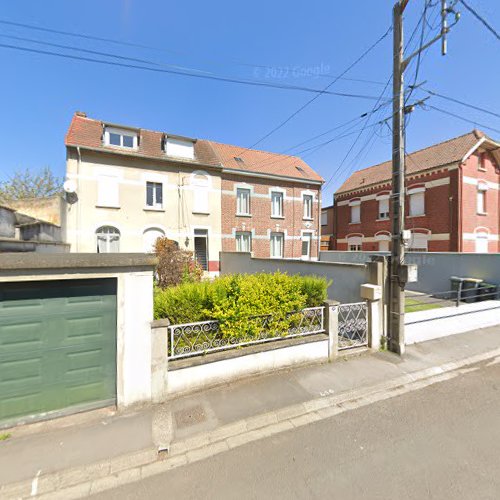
(78, 206)
(459, 210)
(318, 248)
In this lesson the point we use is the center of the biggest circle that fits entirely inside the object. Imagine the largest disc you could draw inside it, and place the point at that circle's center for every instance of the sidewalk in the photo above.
(105, 444)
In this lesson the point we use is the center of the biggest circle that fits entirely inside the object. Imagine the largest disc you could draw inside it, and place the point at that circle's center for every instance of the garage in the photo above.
(57, 347)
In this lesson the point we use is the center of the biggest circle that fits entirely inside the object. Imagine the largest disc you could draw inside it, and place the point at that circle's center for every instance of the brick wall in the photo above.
(260, 223)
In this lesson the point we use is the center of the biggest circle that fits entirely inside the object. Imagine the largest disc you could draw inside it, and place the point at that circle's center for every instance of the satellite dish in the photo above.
(69, 186)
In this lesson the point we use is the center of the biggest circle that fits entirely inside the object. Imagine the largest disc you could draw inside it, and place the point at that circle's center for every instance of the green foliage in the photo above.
(242, 303)
(28, 184)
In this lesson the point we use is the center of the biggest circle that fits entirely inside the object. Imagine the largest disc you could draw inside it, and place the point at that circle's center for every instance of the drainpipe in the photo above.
(459, 210)
(78, 211)
(318, 248)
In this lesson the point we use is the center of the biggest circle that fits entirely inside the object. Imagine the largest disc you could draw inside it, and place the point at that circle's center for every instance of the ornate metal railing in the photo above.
(192, 339)
(353, 325)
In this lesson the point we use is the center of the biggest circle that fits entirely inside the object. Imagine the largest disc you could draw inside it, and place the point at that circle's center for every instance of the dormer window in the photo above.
(120, 138)
(179, 148)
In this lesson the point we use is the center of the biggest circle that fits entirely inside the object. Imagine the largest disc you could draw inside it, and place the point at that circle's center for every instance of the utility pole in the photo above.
(397, 292)
(400, 273)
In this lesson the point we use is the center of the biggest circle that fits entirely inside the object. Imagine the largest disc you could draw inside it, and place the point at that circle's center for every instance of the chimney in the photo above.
(81, 113)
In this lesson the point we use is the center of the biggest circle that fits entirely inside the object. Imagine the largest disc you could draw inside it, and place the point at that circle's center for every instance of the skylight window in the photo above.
(301, 170)
(239, 160)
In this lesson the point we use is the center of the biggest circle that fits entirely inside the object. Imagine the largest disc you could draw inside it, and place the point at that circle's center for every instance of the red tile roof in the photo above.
(444, 153)
(88, 133)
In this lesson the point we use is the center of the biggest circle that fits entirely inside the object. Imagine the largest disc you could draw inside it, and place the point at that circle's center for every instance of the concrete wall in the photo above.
(51, 209)
(41, 231)
(347, 277)
(7, 223)
(434, 268)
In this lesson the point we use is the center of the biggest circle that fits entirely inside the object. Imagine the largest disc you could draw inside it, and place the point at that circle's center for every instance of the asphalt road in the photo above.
(440, 442)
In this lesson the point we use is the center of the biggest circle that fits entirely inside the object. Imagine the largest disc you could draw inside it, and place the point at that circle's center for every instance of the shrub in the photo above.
(175, 266)
(245, 305)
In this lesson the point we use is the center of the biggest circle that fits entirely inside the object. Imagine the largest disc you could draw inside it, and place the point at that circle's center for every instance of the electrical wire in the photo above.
(462, 118)
(480, 19)
(181, 72)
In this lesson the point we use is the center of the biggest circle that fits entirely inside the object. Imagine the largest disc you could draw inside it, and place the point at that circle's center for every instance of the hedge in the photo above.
(234, 299)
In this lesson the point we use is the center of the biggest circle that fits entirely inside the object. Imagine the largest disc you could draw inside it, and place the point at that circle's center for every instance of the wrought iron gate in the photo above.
(353, 325)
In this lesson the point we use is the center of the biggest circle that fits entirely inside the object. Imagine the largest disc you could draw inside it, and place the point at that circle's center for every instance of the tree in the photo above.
(29, 184)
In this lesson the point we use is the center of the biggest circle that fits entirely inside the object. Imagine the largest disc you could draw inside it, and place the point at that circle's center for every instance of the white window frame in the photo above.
(201, 184)
(244, 191)
(306, 237)
(148, 246)
(412, 247)
(155, 204)
(108, 190)
(481, 236)
(354, 243)
(383, 206)
(355, 208)
(308, 209)
(243, 241)
(413, 193)
(481, 198)
(481, 163)
(179, 148)
(121, 132)
(280, 195)
(106, 236)
(277, 236)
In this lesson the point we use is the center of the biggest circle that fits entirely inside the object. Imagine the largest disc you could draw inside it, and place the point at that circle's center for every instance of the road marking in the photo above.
(34, 484)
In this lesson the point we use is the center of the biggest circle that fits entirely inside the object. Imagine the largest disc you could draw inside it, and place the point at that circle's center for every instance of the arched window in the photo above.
(149, 238)
(419, 241)
(108, 239)
(200, 181)
(384, 241)
(481, 238)
(354, 243)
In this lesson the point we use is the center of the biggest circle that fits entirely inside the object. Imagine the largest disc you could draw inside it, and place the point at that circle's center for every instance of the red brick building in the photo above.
(270, 203)
(452, 200)
(327, 228)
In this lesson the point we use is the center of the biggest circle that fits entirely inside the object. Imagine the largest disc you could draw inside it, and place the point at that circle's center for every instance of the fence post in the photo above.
(159, 360)
(374, 330)
(332, 327)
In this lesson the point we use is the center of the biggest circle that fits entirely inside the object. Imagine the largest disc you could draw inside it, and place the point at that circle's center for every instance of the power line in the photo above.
(480, 19)
(301, 108)
(160, 49)
(452, 99)
(181, 72)
(461, 118)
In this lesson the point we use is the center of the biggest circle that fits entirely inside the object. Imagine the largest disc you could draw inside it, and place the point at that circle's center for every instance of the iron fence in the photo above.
(194, 339)
(353, 325)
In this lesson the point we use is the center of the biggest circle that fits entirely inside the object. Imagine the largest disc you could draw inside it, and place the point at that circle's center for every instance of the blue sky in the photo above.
(40, 93)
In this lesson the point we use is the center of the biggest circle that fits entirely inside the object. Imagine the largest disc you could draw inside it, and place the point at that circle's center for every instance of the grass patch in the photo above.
(414, 305)
(5, 436)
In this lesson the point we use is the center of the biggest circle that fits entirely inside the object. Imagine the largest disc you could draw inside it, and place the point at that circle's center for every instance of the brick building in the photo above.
(130, 186)
(452, 200)
(327, 228)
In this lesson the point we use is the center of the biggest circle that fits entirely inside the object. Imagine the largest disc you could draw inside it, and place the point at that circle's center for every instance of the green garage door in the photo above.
(57, 346)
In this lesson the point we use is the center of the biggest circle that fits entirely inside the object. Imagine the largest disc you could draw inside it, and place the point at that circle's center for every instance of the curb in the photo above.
(94, 478)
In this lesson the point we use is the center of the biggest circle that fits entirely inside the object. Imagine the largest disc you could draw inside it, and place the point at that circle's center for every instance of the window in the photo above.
(201, 247)
(354, 243)
(201, 187)
(480, 162)
(419, 242)
(355, 211)
(120, 138)
(308, 206)
(149, 238)
(306, 245)
(277, 244)
(383, 207)
(154, 195)
(417, 201)
(482, 187)
(324, 218)
(276, 204)
(180, 148)
(242, 201)
(108, 239)
(481, 242)
(108, 191)
(243, 242)
(384, 240)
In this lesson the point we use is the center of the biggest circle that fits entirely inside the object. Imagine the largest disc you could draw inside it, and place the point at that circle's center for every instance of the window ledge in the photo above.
(359, 222)
(308, 218)
(243, 215)
(115, 207)
(384, 219)
(277, 217)
(482, 213)
(199, 212)
(153, 209)
(413, 216)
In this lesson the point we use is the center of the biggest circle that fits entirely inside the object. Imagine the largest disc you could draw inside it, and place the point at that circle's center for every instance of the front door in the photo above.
(201, 247)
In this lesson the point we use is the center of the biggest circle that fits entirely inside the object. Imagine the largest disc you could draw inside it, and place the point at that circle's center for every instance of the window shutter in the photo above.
(417, 205)
(107, 191)
(383, 207)
(355, 213)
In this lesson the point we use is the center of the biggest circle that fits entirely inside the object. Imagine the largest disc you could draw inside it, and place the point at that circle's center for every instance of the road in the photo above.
(440, 442)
